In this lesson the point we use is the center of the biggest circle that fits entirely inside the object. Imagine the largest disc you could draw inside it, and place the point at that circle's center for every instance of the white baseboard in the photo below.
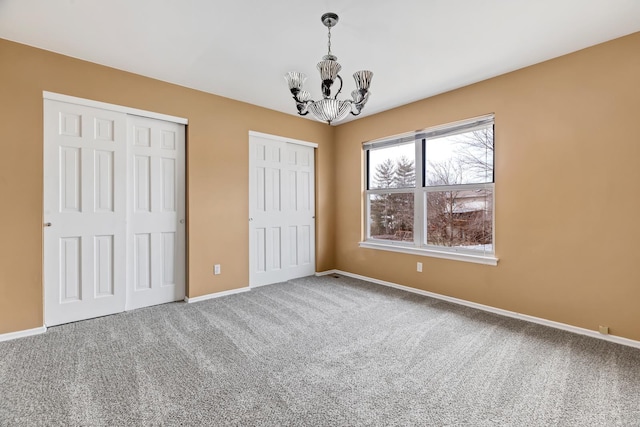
(216, 295)
(259, 285)
(507, 313)
(328, 272)
(22, 334)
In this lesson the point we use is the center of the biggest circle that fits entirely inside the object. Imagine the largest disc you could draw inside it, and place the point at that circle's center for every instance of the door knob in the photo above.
(47, 224)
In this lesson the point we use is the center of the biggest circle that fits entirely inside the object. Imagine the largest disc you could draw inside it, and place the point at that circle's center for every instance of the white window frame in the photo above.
(419, 246)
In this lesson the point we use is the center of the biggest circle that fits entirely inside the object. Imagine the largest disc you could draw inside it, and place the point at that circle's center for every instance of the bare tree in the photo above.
(475, 151)
(458, 217)
(441, 204)
(448, 172)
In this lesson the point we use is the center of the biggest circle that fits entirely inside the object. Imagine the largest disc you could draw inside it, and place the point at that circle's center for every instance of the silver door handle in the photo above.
(250, 219)
(47, 224)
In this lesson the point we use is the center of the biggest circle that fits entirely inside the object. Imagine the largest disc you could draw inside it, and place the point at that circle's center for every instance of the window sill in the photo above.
(456, 256)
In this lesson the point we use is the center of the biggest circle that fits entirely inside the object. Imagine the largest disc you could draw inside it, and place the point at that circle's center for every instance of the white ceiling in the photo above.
(241, 49)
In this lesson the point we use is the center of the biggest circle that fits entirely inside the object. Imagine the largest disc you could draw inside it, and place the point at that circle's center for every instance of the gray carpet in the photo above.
(316, 352)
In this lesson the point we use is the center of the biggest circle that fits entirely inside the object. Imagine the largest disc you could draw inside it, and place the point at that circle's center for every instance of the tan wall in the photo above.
(567, 183)
(217, 171)
(567, 198)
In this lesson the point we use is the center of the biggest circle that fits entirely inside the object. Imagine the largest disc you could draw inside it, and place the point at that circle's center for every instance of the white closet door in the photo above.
(281, 210)
(114, 204)
(84, 212)
(156, 272)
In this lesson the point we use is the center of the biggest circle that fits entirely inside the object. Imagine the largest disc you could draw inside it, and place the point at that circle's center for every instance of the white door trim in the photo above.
(282, 139)
(112, 107)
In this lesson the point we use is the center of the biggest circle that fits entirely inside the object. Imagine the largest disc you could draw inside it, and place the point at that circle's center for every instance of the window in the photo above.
(444, 210)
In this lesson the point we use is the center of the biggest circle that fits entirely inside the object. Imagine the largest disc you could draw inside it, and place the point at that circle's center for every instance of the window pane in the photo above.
(465, 158)
(391, 216)
(460, 219)
(392, 167)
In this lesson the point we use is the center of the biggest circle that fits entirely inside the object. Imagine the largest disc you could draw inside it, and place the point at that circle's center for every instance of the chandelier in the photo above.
(330, 109)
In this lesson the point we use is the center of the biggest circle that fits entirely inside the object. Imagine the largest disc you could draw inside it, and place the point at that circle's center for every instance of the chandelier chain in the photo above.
(329, 42)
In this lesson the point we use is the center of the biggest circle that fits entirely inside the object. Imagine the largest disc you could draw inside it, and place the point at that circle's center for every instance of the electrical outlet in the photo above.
(216, 269)
(419, 267)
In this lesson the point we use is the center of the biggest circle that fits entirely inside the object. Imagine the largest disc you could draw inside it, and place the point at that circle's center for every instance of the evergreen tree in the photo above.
(404, 177)
(381, 206)
(392, 214)
(405, 173)
(384, 176)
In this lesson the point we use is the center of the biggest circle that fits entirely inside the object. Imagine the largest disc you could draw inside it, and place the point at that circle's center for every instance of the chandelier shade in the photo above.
(363, 79)
(329, 109)
(304, 96)
(328, 69)
(295, 80)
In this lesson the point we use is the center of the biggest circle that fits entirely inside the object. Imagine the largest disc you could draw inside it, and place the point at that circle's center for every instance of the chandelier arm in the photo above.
(340, 89)
(356, 108)
(302, 106)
